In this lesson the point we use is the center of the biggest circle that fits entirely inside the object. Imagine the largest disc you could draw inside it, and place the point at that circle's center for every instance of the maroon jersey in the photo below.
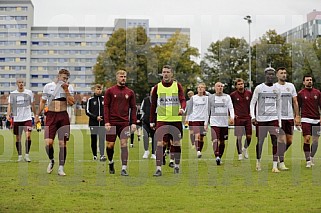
(117, 102)
(309, 103)
(241, 103)
(154, 96)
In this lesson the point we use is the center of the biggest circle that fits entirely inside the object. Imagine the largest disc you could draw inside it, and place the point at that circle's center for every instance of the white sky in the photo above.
(209, 20)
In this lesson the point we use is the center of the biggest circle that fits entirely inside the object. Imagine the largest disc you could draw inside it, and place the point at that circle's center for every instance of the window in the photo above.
(23, 42)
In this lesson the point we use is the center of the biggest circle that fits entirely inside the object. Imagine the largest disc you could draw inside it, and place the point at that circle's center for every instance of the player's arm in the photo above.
(252, 105)
(8, 111)
(231, 110)
(70, 98)
(182, 99)
(133, 116)
(152, 117)
(107, 103)
(296, 110)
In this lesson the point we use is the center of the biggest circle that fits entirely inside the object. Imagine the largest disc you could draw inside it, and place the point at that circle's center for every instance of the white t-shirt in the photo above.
(49, 89)
(267, 101)
(287, 93)
(197, 108)
(21, 105)
(220, 107)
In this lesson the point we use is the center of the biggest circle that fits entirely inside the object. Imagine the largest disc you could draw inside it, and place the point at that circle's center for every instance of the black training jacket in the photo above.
(94, 108)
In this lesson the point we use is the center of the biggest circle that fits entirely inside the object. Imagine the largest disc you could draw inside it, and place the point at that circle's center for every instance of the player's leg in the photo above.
(102, 136)
(315, 143)
(28, 129)
(93, 138)
(17, 132)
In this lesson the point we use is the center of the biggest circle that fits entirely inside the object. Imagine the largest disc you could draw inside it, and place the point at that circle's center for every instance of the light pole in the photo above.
(249, 21)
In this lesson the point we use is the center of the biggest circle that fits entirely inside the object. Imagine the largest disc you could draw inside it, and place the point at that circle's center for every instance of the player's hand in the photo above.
(231, 121)
(152, 125)
(107, 126)
(99, 118)
(297, 121)
(180, 112)
(65, 87)
(254, 122)
(133, 128)
(206, 127)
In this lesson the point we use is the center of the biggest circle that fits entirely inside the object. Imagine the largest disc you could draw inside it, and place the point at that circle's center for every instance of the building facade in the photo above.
(37, 53)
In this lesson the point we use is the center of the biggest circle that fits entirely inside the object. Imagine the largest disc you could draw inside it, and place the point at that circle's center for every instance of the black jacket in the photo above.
(146, 109)
(94, 108)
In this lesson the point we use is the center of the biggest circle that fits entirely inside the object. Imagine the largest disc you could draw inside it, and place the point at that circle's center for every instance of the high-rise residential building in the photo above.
(310, 30)
(37, 53)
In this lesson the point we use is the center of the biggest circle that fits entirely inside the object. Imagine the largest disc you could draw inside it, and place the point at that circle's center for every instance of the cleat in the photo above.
(131, 145)
(245, 153)
(123, 172)
(176, 170)
(240, 157)
(199, 154)
(61, 172)
(27, 159)
(282, 167)
(153, 156)
(50, 166)
(103, 158)
(146, 154)
(171, 164)
(312, 161)
(218, 161)
(111, 168)
(275, 170)
(308, 164)
(20, 158)
(158, 173)
(258, 166)
(95, 157)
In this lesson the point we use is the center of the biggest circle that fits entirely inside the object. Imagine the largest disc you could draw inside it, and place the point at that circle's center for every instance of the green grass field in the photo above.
(202, 186)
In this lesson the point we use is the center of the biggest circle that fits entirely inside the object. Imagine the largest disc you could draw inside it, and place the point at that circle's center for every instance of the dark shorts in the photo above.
(174, 130)
(197, 127)
(310, 129)
(18, 127)
(287, 127)
(220, 133)
(57, 122)
(122, 130)
(242, 126)
(263, 128)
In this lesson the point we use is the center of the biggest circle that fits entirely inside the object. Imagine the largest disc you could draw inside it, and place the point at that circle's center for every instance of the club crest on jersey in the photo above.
(305, 97)
(115, 96)
(95, 102)
(102, 102)
(288, 89)
(126, 96)
(274, 91)
(315, 97)
(237, 99)
(247, 98)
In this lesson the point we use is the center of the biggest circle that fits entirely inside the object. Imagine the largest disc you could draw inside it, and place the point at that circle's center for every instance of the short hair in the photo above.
(98, 86)
(269, 69)
(190, 93)
(238, 80)
(121, 72)
(64, 71)
(280, 68)
(167, 67)
(307, 76)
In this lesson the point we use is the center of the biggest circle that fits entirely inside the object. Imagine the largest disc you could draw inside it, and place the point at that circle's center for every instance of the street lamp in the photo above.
(249, 21)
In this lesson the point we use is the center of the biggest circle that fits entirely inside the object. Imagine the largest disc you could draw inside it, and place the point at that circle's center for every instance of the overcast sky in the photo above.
(209, 20)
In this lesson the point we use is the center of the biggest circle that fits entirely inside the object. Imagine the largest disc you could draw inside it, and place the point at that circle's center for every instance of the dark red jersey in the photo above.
(309, 103)
(241, 103)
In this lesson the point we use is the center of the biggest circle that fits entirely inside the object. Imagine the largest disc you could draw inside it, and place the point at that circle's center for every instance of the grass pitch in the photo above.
(201, 186)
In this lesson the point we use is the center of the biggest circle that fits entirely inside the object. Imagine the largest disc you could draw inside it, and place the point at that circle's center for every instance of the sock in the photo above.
(124, 155)
(192, 138)
(274, 151)
(50, 151)
(172, 151)
(110, 153)
(18, 147)
(61, 167)
(314, 148)
(124, 167)
(94, 144)
(306, 149)
(158, 168)
(281, 150)
(62, 155)
(275, 164)
(159, 155)
(28, 145)
(215, 148)
(221, 149)
(177, 154)
(247, 142)
(111, 162)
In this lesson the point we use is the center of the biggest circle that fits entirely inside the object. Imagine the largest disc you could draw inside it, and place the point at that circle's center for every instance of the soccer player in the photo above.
(220, 108)
(241, 99)
(95, 112)
(19, 106)
(197, 113)
(309, 100)
(191, 133)
(149, 132)
(169, 101)
(57, 95)
(266, 116)
(118, 101)
(288, 103)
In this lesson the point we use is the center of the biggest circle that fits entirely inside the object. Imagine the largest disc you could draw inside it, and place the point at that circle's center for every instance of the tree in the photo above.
(225, 61)
(178, 53)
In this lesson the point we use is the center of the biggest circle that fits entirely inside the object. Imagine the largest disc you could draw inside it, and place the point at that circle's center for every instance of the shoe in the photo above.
(308, 164)
(20, 158)
(164, 160)
(131, 145)
(61, 172)
(240, 157)
(218, 161)
(146, 154)
(258, 166)
(167, 152)
(95, 157)
(27, 159)
(275, 170)
(153, 156)
(171, 164)
(103, 158)
(245, 153)
(50, 166)
(111, 168)
(123, 172)
(158, 173)
(199, 154)
(312, 161)
(282, 167)
(176, 170)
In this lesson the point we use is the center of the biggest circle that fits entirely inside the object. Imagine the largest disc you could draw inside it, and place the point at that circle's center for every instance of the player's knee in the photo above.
(176, 143)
